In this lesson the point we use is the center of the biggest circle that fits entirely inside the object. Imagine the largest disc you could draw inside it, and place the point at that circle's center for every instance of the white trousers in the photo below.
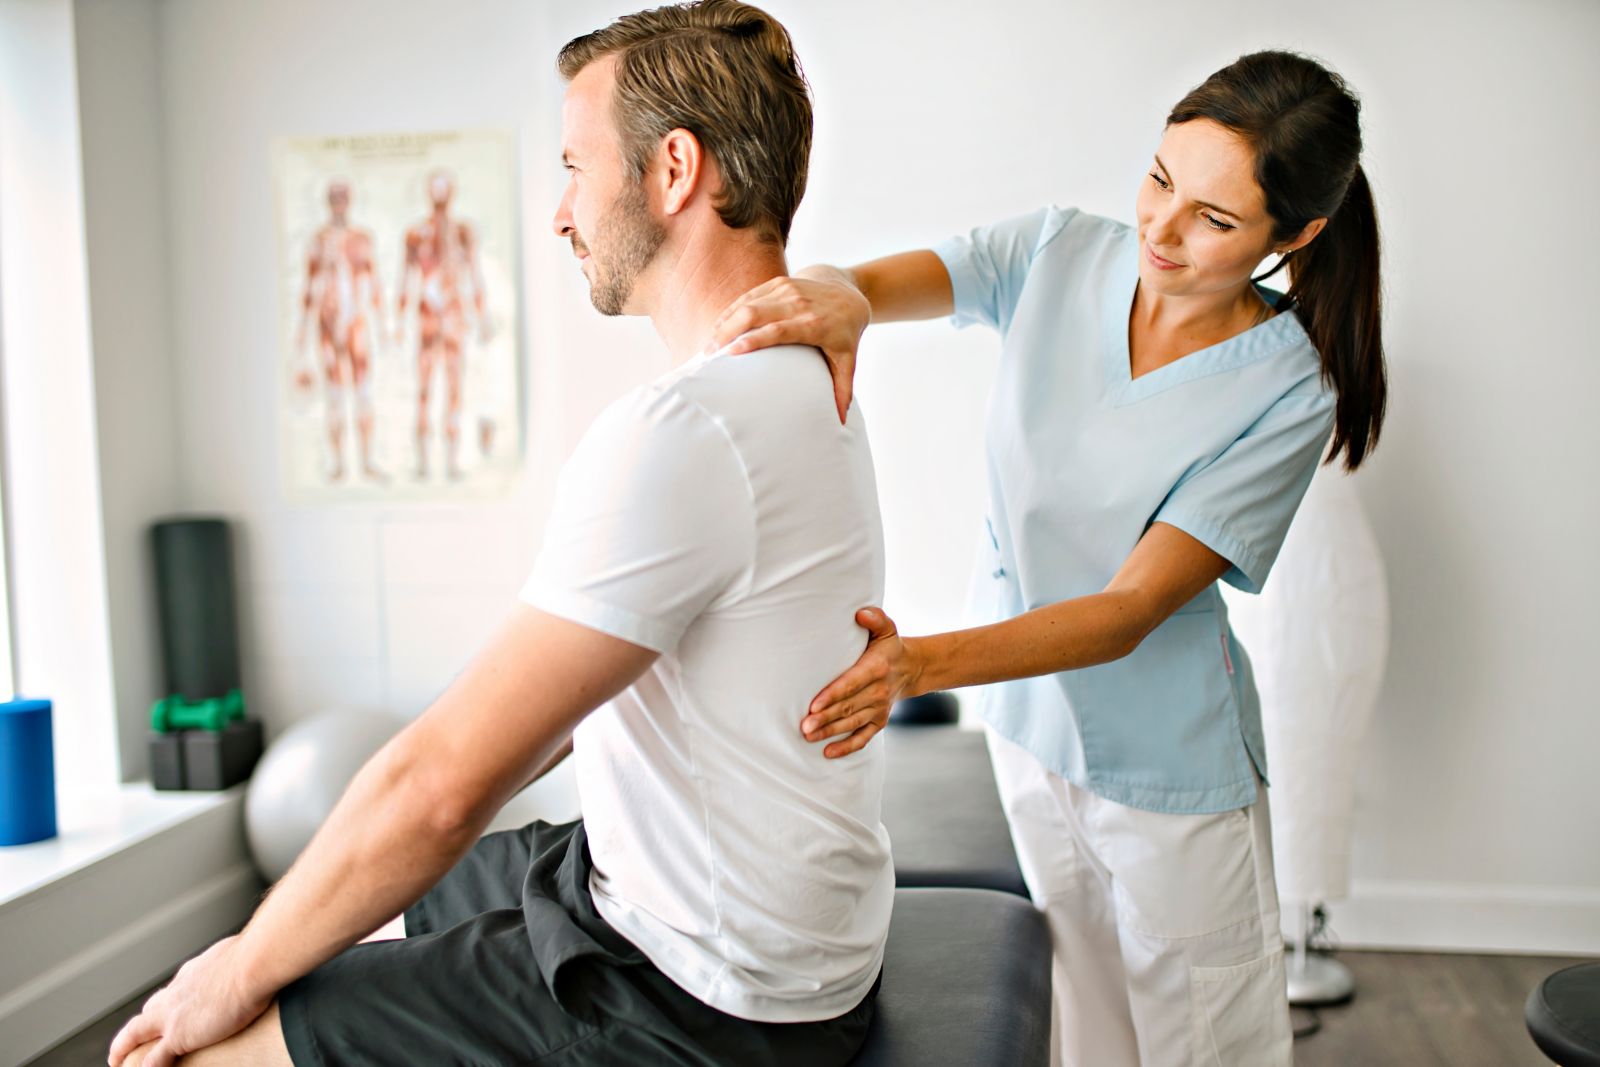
(1166, 944)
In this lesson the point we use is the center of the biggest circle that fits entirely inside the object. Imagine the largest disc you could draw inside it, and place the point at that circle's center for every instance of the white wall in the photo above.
(125, 222)
(1478, 792)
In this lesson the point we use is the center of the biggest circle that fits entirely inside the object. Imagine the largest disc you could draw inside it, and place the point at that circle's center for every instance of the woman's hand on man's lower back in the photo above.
(855, 706)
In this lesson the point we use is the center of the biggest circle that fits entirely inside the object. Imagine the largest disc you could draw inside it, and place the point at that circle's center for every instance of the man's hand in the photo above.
(207, 1001)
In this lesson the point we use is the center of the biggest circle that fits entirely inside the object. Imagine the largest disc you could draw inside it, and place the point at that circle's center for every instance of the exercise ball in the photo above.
(302, 776)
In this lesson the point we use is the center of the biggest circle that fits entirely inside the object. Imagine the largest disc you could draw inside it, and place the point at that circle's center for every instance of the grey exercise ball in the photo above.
(301, 777)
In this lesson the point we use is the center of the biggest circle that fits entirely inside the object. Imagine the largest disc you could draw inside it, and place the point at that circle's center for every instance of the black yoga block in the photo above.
(166, 760)
(217, 759)
(194, 589)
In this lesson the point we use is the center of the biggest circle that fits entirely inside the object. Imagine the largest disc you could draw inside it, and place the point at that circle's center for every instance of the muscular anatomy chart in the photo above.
(402, 384)
(341, 289)
(441, 270)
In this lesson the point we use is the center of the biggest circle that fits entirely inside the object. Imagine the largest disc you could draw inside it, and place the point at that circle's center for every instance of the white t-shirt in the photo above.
(722, 517)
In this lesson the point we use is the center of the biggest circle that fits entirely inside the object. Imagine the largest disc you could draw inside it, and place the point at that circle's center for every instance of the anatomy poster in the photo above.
(398, 315)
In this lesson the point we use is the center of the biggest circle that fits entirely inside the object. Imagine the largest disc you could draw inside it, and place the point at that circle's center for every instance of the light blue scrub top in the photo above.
(1082, 458)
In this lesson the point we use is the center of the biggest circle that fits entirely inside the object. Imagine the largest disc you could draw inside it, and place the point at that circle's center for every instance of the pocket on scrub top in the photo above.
(986, 597)
(991, 552)
(1240, 1014)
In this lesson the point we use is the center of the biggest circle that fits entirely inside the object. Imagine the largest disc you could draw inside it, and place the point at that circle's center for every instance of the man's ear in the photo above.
(681, 163)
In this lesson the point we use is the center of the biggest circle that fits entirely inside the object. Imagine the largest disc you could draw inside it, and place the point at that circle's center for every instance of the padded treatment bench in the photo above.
(966, 983)
(943, 814)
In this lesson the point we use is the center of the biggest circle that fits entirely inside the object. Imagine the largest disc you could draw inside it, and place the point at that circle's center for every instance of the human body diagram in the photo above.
(341, 290)
(441, 275)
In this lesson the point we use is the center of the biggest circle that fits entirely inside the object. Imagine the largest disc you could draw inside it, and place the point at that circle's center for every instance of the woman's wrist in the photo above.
(829, 274)
(918, 681)
(824, 272)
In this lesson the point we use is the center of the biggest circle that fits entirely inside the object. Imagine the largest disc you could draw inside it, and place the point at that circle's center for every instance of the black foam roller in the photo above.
(194, 588)
(929, 709)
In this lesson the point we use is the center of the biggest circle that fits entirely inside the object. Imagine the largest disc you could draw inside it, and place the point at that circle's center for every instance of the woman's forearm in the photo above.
(899, 288)
(1076, 633)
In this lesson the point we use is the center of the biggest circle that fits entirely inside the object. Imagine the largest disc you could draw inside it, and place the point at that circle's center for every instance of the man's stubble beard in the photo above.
(629, 237)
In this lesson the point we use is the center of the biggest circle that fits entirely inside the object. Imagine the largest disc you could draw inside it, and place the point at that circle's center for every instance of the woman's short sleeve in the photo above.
(1240, 503)
(989, 265)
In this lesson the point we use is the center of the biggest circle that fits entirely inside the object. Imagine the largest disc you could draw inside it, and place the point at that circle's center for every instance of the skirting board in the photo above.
(1453, 917)
(60, 1001)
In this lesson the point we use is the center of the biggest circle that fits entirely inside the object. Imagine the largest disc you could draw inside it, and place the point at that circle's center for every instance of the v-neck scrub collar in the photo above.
(1281, 331)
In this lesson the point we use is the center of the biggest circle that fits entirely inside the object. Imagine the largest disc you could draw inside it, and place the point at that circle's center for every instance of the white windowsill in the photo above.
(92, 826)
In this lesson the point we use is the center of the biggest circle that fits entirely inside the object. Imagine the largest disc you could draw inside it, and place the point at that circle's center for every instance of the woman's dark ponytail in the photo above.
(1304, 126)
(1333, 282)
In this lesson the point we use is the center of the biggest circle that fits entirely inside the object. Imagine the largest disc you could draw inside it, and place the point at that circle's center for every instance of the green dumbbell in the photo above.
(175, 713)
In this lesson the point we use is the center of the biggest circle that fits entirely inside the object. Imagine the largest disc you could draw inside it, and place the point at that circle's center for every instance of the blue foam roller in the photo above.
(27, 773)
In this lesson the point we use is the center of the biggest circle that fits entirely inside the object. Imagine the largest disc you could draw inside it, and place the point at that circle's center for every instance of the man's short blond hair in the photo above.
(727, 73)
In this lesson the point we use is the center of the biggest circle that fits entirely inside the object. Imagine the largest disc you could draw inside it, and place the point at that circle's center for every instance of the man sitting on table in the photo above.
(726, 897)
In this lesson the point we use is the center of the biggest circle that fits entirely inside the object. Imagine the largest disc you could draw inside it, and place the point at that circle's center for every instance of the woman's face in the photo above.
(1203, 223)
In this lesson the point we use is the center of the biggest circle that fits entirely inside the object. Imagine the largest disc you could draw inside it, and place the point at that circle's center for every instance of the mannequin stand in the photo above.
(1315, 978)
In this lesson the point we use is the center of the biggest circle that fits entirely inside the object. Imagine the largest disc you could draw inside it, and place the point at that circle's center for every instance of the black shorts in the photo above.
(507, 962)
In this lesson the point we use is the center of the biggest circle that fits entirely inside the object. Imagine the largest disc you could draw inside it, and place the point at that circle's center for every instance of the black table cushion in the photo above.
(966, 983)
(1563, 1014)
(940, 805)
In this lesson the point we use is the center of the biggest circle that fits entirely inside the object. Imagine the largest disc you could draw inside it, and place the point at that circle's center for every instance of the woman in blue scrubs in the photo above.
(1156, 419)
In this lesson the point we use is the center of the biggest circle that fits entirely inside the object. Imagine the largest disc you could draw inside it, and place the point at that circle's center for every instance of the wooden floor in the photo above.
(1430, 1009)
(1411, 1009)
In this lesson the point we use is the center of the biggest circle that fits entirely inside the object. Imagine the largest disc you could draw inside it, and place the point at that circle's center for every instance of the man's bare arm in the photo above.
(550, 764)
(419, 805)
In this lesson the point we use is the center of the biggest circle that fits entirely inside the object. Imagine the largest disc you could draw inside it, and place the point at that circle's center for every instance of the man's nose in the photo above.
(562, 222)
